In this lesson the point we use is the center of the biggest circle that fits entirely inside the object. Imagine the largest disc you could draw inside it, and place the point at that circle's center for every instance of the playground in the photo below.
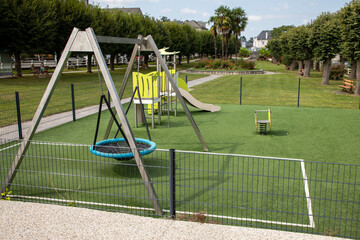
(298, 142)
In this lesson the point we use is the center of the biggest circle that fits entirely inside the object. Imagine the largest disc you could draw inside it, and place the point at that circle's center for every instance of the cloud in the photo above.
(188, 11)
(205, 14)
(166, 10)
(255, 18)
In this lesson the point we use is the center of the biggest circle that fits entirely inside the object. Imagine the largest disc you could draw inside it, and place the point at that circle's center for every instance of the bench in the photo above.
(347, 86)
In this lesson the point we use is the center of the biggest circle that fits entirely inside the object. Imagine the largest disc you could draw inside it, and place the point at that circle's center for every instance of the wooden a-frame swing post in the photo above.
(83, 41)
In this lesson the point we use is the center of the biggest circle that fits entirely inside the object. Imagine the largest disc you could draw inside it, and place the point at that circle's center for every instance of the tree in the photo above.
(213, 31)
(350, 19)
(194, 41)
(299, 44)
(274, 44)
(28, 28)
(325, 39)
(239, 22)
(222, 21)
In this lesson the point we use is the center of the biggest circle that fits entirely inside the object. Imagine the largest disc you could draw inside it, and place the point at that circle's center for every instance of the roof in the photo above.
(264, 35)
(129, 10)
(196, 24)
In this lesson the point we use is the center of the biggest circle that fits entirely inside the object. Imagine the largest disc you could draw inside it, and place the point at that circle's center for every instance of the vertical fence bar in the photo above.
(18, 113)
(240, 89)
(172, 182)
(73, 102)
(298, 102)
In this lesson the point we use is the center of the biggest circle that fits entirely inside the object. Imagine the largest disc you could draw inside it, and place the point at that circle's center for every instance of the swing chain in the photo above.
(99, 76)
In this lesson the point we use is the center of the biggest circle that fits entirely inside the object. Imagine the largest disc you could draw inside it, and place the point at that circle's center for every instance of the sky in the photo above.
(262, 14)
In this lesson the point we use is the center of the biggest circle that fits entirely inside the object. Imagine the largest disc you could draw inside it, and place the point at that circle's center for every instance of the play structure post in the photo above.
(18, 113)
(73, 102)
(172, 183)
(298, 102)
(240, 89)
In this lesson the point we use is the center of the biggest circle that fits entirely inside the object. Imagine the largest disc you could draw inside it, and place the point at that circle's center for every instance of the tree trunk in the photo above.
(112, 58)
(18, 64)
(146, 61)
(89, 56)
(236, 46)
(357, 89)
(342, 61)
(188, 59)
(222, 47)
(307, 68)
(215, 46)
(292, 65)
(317, 66)
(353, 70)
(180, 59)
(300, 67)
(326, 72)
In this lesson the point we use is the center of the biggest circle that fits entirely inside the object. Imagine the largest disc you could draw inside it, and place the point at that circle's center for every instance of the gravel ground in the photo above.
(24, 220)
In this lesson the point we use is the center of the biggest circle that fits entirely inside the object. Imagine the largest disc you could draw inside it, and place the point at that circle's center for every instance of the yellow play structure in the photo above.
(155, 91)
(261, 124)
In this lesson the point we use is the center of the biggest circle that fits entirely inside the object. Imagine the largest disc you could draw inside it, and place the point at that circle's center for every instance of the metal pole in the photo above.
(172, 183)
(17, 99)
(298, 102)
(73, 102)
(240, 90)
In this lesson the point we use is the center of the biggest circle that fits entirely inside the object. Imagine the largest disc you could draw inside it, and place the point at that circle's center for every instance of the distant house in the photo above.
(128, 10)
(198, 25)
(246, 44)
(261, 40)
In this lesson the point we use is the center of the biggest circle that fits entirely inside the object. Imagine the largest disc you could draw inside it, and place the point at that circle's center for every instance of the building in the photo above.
(198, 25)
(128, 10)
(261, 40)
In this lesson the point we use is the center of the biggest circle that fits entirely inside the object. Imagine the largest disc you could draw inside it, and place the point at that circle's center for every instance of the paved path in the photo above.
(24, 220)
(11, 132)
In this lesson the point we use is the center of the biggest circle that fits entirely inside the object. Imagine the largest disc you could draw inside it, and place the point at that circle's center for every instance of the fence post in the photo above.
(240, 89)
(18, 113)
(73, 102)
(298, 102)
(172, 183)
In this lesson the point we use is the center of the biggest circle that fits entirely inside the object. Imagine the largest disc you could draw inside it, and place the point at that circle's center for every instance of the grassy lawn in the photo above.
(86, 86)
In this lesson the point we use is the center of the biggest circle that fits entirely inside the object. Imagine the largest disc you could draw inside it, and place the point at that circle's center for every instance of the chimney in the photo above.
(266, 35)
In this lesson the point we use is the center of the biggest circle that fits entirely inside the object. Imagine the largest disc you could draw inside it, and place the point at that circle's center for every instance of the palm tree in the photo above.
(213, 31)
(222, 22)
(239, 21)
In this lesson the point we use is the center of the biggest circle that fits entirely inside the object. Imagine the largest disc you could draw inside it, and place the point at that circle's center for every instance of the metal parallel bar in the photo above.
(73, 102)
(240, 90)
(172, 190)
(18, 113)
(298, 102)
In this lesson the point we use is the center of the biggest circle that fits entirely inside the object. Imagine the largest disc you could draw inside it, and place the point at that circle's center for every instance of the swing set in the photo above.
(87, 42)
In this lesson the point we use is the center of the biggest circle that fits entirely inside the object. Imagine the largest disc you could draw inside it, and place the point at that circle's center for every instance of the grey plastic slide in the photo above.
(195, 103)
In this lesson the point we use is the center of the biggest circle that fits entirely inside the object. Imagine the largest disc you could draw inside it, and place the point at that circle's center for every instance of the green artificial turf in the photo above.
(312, 134)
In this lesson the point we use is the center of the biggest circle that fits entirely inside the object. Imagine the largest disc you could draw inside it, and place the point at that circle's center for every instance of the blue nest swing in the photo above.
(119, 148)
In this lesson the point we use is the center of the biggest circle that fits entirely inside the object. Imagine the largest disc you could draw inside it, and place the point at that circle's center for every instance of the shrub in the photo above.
(337, 72)
(244, 52)
(225, 64)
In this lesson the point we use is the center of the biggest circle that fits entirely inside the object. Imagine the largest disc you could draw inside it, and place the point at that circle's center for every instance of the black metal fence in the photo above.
(266, 192)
